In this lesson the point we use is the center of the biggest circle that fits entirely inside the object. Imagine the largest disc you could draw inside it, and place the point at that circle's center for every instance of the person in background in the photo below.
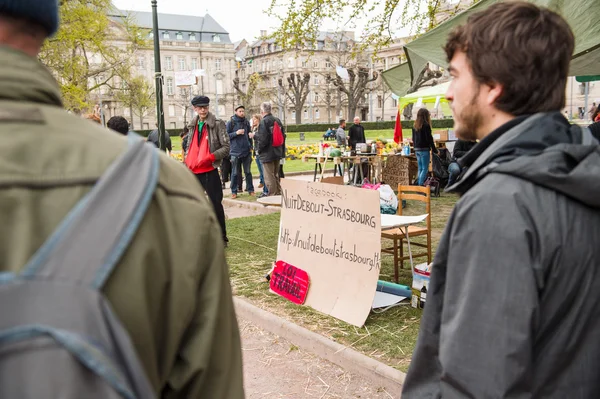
(118, 124)
(238, 129)
(93, 118)
(512, 307)
(356, 134)
(184, 140)
(340, 134)
(208, 146)
(270, 156)
(423, 143)
(154, 138)
(256, 118)
(461, 147)
(593, 111)
(176, 305)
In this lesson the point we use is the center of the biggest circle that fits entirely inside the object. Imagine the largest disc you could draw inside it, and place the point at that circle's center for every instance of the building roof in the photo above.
(321, 37)
(185, 23)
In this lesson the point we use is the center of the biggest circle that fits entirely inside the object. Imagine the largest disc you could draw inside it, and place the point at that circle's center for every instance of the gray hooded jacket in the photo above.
(513, 309)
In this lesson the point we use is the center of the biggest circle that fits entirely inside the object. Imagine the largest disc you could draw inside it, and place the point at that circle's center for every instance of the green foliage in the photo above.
(301, 20)
(138, 95)
(89, 50)
(322, 127)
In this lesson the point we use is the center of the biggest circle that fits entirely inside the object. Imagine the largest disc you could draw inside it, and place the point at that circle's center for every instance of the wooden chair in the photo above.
(414, 193)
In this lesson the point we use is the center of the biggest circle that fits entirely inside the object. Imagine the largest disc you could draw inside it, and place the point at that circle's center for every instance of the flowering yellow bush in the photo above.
(177, 156)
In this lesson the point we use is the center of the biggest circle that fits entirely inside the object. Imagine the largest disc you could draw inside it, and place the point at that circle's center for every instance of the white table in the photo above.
(273, 200)
(402, 222)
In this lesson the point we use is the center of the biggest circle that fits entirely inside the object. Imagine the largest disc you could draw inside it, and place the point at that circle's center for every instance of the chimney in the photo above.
(263, 33)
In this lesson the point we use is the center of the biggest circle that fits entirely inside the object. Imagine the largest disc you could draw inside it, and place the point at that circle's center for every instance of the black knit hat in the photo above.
(43, 12)
(198, 101)
(240, 106)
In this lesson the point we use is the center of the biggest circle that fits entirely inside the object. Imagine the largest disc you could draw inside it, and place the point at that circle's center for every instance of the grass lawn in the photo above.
(389, 337)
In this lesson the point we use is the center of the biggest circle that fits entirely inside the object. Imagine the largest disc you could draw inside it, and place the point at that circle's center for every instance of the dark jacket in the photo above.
(513, 308)
(266, 151)
(422, 138)
(218, 139)
(154, 139)
(240, 144)
(356, 134)
(171, 288)
(461, 147)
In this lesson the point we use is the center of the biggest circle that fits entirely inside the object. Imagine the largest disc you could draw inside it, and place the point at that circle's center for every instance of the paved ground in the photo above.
(276, 369)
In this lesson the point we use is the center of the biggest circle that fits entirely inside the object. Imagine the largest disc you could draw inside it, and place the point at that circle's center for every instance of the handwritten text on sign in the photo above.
(333, 233)
(289, 282)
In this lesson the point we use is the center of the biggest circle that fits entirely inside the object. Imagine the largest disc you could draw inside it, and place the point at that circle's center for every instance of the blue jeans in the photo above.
(236, 164)
(453, 172)
(262, 175)
(423, 164)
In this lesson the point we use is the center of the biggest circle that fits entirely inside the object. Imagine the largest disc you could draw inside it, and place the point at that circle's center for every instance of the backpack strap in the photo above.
(92, 238)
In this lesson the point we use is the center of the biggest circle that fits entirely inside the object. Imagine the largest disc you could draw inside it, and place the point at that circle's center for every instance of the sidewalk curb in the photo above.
(345, 357)
(250, 205)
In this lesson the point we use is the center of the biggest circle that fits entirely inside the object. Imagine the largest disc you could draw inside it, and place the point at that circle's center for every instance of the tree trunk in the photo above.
(351, 109)
(383, 107)
(132, 127)
(298, 115)
(141, 120)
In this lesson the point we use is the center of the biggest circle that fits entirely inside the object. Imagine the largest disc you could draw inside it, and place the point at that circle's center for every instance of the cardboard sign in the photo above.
(333, 232)
(289, 282)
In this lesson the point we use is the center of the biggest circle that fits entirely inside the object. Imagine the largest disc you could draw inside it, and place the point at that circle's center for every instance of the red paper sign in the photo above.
(290, 282)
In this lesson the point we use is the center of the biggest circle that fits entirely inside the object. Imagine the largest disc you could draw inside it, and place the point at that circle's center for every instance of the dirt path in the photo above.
(275, 369)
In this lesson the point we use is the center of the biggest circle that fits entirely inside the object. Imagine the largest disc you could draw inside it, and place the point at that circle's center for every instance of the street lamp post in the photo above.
(160, 116)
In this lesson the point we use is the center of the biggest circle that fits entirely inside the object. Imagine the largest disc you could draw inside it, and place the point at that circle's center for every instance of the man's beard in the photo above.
(471, 119)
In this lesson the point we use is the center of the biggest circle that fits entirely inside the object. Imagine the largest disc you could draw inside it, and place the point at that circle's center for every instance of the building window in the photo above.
(304, 64)
(316, 80)
(216, 38)
(126, 112)
(192, 36)
(168, 63)
(316, 113)
(395, 103)
(194, 63)
(316, 96)
(183, 92)
(146, 126)
(218, 64)
(315, 64)
(328, 64)
(179, 36)
(274, 80)
(166, 35)
(379, 102)
(169, 86)
(182, 64)
(142, 63)
(171, 110)
(305, 114)
(293, 114)
(173, 126)
(290, 62)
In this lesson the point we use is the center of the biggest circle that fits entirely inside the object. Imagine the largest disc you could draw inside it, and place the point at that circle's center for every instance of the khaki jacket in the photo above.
(218, 139)
(171, 289)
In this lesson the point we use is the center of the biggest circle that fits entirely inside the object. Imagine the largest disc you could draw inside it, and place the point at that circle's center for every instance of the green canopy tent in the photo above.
(582, 16)
(429, 95)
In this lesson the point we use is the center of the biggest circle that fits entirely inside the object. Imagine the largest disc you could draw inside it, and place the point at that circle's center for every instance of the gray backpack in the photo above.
(59, 337)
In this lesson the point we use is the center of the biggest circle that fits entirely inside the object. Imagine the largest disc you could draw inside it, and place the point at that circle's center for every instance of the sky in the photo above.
(241, 18)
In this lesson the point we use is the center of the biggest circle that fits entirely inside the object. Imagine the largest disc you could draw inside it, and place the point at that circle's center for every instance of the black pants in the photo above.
(211, 182)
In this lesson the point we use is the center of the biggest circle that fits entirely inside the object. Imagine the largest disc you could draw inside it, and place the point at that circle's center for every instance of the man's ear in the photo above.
(494, 93)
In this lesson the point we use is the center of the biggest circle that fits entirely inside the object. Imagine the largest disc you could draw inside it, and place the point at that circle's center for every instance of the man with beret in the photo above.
(238, 129)
(170, 289)
(208, 146)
